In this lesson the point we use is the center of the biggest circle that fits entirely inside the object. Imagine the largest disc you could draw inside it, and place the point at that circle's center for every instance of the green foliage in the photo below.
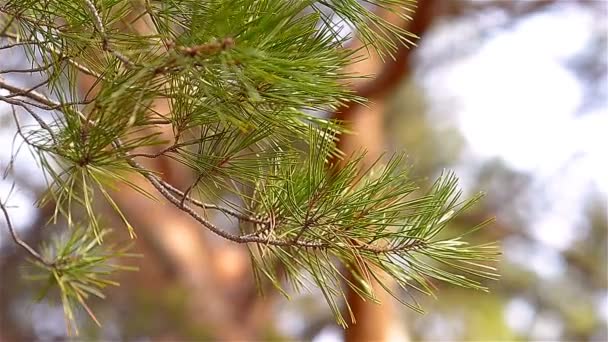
(80, 267)
(241, 78)
(369, 223)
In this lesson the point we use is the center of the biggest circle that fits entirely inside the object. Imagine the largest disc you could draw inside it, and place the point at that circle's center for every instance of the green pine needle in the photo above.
(245, 81)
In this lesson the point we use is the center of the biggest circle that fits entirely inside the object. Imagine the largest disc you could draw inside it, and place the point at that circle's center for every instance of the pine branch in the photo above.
(241, 85)
(31, 251)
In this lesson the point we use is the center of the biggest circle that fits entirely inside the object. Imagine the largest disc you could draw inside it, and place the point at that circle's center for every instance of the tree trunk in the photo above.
(377, 322)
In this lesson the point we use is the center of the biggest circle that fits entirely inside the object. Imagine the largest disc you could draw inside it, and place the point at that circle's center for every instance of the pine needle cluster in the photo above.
(242, 78)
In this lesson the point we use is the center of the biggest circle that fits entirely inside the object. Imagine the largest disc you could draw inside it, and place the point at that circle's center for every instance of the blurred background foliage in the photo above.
(513, 95)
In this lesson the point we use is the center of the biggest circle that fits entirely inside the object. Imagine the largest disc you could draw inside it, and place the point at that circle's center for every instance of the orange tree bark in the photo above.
(374, 321)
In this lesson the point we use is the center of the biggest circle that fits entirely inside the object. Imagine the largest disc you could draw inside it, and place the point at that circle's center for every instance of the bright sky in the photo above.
(514, 99)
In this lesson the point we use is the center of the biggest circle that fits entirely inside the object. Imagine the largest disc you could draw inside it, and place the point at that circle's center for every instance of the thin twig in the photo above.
(23, 42)
(308, 221)
(200, 204)
(31, 70)
(19, 241)
(36, 96)
(105, 42)
(32, 94)
(156, 183)
(34, 87)
(38, 119)
(22, 135)
(186, 194)
(160, 187)
(166, 149)
(159, 122)
(59, 54)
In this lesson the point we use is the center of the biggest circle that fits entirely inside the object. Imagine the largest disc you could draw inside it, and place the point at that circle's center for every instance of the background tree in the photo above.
(181, 261)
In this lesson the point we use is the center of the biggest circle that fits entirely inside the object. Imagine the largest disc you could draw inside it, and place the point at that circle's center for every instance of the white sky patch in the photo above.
(515, 99)
(556, 231)
(329, 334)
(523, 128)
(602, 305)
(556, 33)
(48, 319)
(591, 135)
(546, 262)
(519, 314)
(440, 327)
(19, 206)
(547, 327)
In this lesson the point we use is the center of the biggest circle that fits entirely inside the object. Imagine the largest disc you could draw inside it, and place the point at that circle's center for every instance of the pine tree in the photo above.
(247, 82)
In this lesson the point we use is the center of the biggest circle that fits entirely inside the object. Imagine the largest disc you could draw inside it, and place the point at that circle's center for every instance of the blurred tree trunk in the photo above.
(377, 322)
